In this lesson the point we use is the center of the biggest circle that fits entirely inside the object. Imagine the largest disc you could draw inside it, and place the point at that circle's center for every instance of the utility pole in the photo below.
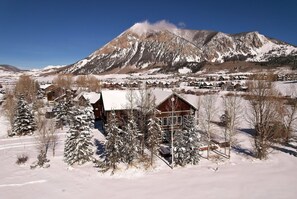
(172, 110)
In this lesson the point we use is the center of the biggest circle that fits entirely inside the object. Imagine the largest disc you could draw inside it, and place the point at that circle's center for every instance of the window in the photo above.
(179, 120)
(165, 122)
(174, 120)
(169, 121)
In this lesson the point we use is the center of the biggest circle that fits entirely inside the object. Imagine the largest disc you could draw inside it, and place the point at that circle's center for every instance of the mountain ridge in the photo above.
(149, 46)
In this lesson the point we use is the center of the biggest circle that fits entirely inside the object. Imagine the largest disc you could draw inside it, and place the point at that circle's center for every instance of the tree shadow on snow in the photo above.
(290, 82)
(288, 151)
(241, 150)
(291, 145)
(251, 132)
(99, 148)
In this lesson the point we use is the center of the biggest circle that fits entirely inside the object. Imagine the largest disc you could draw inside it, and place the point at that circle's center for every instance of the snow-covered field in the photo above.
(240, 177)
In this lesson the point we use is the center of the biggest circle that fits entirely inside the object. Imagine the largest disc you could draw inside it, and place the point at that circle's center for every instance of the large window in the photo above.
(175, 120)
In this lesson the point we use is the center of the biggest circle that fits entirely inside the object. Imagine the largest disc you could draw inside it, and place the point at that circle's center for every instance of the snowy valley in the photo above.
(239, 174)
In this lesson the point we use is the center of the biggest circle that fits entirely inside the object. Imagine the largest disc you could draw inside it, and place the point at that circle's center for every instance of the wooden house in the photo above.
(94, 99)
(52, 92)
(66, 95)
(173, 109)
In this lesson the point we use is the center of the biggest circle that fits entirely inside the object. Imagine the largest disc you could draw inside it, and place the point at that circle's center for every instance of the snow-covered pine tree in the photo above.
(24, 122)
(114, 143)
(144, 103)
(78, 145)
(154, 134)
(131, 144)
(187, 142)
(63, 112)
(90, 113)
(179, 148)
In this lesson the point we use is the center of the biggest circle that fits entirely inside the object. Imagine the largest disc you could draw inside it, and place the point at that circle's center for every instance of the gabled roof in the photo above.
(161, 95)
(93, 97)
(45, 86)
(191, 99)
(118, 99)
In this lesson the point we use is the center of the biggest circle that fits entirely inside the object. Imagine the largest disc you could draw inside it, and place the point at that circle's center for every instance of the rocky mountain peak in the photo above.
(162, 44)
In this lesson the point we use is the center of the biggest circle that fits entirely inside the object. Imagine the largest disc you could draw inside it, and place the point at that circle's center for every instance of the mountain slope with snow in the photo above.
(163, 45)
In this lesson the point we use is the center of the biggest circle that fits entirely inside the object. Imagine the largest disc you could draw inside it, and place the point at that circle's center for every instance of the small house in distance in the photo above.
(51, 91)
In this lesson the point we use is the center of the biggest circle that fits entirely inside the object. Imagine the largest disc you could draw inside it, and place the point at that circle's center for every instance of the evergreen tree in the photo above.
(180, 148)
(78, 145)
(63, 112)
(154, 135)
(24, 122)
(114, 143)
(90, 114)
(131, 144)
(187, 142)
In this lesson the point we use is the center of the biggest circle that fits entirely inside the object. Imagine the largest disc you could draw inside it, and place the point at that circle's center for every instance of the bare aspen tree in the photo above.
(46, 134)
(43, 141)
(290, 114)
(154, 136)
(63, 81)
(93, 83)
(131, 146)
(81, 81)
(53, 134)
(263, 115)
(173, 106)
(198, 108)
(232, 106)
(143, 102)
(27, 87)
(208, 109)
(9, 105)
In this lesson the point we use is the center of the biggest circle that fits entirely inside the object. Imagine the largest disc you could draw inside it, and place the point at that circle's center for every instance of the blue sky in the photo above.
(37, 33)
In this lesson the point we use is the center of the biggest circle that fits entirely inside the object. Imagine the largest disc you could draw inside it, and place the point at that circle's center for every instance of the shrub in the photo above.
(22, 159)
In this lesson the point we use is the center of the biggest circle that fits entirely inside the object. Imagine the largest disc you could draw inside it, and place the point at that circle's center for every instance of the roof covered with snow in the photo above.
(45, 86)
(118, 99)
(93, 97)
(191, 99)
(161, 95)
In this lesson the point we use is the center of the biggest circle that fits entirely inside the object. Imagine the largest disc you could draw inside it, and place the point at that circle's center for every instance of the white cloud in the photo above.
(147, 27)
(181, 24)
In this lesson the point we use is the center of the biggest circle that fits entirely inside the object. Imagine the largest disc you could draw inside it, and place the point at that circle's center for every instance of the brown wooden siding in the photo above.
(179, 108)
(97, 108)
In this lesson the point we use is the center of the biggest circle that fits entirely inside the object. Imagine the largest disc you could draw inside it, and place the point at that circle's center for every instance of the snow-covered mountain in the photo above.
(163, 45)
